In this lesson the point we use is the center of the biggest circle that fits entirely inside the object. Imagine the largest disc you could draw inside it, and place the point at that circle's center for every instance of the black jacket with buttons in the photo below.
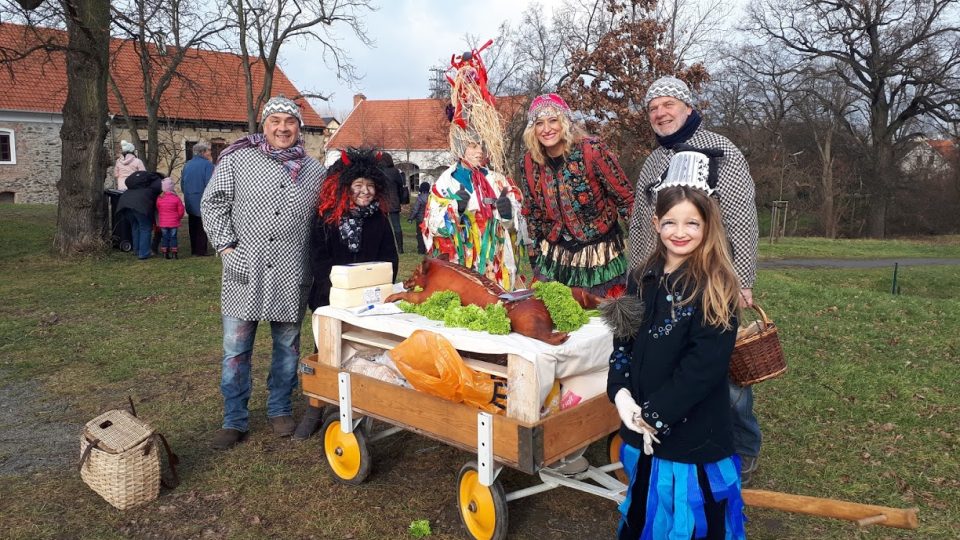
(676, 370)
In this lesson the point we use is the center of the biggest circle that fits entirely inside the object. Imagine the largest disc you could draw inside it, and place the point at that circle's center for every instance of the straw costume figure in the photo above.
(473, 212)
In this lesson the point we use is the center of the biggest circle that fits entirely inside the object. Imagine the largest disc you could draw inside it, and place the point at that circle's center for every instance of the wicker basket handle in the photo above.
(173, 460)
(764, 321)
(86, 452)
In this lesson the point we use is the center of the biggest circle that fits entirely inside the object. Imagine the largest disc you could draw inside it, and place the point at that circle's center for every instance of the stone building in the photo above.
(205, 101)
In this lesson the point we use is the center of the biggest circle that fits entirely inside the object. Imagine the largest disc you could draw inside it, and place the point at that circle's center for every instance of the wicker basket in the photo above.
(120, 459)
(757, 355)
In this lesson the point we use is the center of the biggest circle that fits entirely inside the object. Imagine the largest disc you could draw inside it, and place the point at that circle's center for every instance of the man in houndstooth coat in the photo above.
(257, 211)
(677, 126)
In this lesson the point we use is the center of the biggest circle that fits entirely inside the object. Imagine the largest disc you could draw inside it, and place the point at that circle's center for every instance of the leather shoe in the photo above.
(282, 426)
(309, 423)
(748, 465)
(227, 438)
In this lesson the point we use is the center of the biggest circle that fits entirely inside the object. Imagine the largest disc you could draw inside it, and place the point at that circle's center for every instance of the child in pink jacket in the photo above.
(169, 213)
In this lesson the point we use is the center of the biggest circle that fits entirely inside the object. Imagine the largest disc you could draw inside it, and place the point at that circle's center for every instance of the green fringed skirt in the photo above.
(596, 266)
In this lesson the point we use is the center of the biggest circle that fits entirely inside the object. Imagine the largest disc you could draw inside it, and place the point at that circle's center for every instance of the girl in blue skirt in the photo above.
(674, 331)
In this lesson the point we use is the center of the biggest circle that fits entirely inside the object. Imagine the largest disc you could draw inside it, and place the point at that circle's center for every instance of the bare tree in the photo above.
(901, 57)
(825, 105)
(693, 29)
(541, 52)
(264, 26)
(163, 33)
(81, 225)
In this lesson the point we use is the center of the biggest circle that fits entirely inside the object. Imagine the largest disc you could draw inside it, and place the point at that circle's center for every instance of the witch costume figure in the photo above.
(351, 227)
(473, 214)
(351, 224)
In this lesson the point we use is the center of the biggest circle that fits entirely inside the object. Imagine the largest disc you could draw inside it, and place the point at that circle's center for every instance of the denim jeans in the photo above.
(168, 240)
(142, 229)
(236, 381)
(746, 428)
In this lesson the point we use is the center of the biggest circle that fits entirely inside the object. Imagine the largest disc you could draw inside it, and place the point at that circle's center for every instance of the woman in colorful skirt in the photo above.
(574, 193)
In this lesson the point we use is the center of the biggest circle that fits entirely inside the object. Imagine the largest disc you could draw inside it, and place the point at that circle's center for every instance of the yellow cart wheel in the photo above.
(614, 446)
(483, 509)
(346, 453)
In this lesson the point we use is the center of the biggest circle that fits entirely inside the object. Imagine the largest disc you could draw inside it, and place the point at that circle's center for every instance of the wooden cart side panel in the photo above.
(326, 333)
(523, 392)
(577, 427)
(437, 418)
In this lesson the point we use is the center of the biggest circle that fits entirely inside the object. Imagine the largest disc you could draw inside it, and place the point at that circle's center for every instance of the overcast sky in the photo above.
(410, 36)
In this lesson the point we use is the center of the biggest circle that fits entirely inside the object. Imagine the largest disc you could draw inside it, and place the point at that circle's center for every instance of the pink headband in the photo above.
(543, 103)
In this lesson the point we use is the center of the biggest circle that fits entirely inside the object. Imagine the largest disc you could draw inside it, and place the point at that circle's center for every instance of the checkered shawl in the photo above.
(735, 189)
(291, 158)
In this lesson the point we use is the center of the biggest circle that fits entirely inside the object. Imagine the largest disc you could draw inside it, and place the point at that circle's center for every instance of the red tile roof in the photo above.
(945, 147)
(209, 85)
(414, 124)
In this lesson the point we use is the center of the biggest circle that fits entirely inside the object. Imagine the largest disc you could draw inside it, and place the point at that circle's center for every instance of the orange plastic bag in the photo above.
(431, 364)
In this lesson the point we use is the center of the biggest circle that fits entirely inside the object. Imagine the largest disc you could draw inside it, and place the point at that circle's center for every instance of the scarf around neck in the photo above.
(291, 158)
(684, 133)
(475, 179)
(351, 225)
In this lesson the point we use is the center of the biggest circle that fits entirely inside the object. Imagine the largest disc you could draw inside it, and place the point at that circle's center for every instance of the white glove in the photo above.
(628, 410)
(631, 416)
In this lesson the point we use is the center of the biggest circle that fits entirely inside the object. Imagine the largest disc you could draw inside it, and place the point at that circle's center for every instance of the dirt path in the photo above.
(33, 435)
(854, 263)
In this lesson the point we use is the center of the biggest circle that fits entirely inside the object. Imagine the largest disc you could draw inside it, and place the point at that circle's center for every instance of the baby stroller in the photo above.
(120, 232)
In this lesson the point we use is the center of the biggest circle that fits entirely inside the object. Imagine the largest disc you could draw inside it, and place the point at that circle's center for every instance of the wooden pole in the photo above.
(863, 514)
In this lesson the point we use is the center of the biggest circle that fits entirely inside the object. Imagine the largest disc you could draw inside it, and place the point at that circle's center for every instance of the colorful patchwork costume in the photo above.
(473, 215)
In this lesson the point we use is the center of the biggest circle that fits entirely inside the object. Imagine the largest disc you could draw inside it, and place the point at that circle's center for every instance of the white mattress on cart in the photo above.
(586, 351)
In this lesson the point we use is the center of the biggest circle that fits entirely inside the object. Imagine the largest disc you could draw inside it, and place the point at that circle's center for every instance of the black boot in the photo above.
(309, 423)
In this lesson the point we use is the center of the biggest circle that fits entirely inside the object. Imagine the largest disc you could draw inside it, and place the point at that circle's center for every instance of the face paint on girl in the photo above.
(363, 191)
(681, 232)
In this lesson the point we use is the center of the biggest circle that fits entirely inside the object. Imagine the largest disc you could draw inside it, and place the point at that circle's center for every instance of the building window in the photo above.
(189, 148)
(216, 146)
(8, 147)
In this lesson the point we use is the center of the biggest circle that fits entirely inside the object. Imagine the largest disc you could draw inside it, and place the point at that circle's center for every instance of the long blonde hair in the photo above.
(708, 271)
(570, 135)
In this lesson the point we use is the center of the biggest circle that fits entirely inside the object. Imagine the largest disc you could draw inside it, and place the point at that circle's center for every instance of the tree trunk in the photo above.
(882, 150)
(879, 195)
(826, 181)
(153, 139)
(81, 223)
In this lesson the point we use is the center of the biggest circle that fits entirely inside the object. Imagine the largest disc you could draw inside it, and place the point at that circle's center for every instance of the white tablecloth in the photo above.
(587, 350)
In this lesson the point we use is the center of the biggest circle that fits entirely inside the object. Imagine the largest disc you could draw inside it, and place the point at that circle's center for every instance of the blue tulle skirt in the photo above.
(675, 503)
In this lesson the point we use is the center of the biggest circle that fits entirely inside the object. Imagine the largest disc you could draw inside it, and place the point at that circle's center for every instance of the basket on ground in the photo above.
(120, 459)
(757, 355)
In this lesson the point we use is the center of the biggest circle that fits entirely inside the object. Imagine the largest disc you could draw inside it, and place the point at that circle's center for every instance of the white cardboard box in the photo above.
(354, 276)
(360, 296)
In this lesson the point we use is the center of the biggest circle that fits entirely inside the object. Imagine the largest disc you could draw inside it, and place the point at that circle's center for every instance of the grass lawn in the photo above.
(868, 412)
(822, 248)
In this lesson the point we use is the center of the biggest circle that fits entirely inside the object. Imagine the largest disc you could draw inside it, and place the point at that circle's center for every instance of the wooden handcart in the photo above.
(519, 439)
